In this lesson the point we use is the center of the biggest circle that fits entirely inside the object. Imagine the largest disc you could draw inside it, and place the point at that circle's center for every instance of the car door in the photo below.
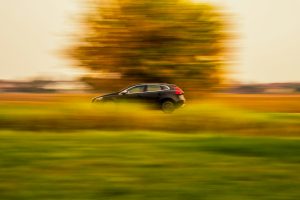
(134, 94)
(152, 93)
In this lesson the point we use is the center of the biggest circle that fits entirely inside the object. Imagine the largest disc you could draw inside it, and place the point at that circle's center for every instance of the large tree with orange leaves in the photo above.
(174, 41)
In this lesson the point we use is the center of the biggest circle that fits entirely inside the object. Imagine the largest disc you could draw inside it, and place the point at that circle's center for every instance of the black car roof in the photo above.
(154, 84)
(144, 84)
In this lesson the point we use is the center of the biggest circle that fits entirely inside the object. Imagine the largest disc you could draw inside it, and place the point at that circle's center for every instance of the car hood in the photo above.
(105, 96)
(108, 95)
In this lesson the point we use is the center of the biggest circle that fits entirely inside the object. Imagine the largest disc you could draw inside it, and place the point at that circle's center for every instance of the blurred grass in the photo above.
(64, 147)
(147, 165)
(206, 115)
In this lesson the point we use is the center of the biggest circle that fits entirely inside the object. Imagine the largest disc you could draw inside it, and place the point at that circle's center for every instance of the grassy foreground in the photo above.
(147, 165)
(195, 117)
(64, 147)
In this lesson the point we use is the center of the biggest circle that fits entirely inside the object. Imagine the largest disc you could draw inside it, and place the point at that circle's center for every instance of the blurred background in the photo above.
(266, 43)
(236, 138)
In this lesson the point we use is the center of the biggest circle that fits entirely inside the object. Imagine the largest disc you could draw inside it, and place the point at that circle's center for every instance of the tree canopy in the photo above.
(173, 41)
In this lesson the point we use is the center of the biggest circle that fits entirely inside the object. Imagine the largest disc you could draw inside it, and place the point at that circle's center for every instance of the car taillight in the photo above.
(178, 91)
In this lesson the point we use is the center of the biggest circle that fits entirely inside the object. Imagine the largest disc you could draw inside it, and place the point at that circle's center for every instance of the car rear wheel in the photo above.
(168, 106)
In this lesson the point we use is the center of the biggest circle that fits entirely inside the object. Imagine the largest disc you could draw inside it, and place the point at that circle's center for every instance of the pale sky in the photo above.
(33, 31)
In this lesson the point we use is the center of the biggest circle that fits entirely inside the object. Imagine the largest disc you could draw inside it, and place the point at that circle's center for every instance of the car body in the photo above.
(166, 96)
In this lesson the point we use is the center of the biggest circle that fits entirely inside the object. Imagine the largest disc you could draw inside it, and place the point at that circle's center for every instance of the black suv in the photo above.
(168, 97)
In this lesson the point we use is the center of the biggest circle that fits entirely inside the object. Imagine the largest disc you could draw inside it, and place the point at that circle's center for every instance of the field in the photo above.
(222, 147)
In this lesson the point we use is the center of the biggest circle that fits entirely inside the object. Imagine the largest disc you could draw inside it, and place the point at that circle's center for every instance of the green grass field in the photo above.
(228, 147)
(147, 165)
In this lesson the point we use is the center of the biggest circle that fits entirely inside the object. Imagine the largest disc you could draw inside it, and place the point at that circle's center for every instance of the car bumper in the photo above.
(180, 104)
(181, 101)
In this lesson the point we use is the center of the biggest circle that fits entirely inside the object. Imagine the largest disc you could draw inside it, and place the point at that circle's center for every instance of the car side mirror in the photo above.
(123, 92)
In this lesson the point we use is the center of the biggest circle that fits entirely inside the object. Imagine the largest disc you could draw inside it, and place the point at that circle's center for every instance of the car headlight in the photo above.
(97, 99)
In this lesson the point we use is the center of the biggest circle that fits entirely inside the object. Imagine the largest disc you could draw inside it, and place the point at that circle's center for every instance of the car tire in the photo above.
(168, 106)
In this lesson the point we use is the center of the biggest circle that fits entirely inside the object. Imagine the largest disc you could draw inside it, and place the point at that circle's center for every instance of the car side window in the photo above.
(164, 87)
(136, 89)
(153, 88)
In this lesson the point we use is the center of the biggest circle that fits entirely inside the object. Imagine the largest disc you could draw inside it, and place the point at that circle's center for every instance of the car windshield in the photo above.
(125, 89)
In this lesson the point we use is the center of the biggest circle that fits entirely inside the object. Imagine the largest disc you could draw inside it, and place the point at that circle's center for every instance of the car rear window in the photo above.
(164, 87)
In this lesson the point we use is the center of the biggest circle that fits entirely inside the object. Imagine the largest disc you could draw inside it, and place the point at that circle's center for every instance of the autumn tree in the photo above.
(174, 41)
